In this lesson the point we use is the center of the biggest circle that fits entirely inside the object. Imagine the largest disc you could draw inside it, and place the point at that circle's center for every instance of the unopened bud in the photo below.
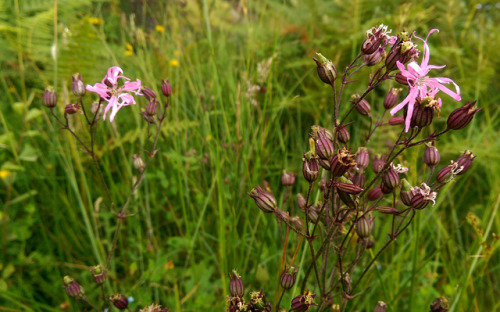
(375, 193)
(323, 146)
(374, 58)
(391, 98)
(310, 167)
(77, 85)
(72, 108)
(326, 70)
(149, 94)
(72, 288)
(364, 227)
(462, 116)
(349, 188)
(50, 97)
(465, 161)
(343, 134)
(288, 277)
(301, 202)
(236, 287)
(151, 108)
(362, 158)
(390, 177)
(288, 179)
(362, 106)
(166, 88)
(394, 121)
(119, 301)
(264, 200)
(431, 156)
(406, 193)
(138, 162)
(401, 78)
(378, 163)
(98, 273)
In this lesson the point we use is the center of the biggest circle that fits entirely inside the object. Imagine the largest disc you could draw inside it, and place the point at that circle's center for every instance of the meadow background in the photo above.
(193, 221)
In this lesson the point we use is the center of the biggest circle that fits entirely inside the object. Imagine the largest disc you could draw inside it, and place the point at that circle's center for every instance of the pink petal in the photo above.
(113, 74)
(126, 99)
(112, 102)
(132, 86)
(99, 88)
(409, 113)
(437, 83)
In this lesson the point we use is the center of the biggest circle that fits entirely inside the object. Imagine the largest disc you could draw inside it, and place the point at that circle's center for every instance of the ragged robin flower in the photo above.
(116, 96)
(421, 84)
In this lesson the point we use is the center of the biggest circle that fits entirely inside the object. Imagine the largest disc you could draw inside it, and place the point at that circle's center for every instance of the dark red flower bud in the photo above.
(236, 287)
(98, 273)
(374, 58)
(462, 116)
(431, 156)
(77, 85)
(302, 303)
(325, 163)
(418, 201)
(387, 210)
(391, 176)
(358, 179)
(362, 106)
(341, 162)
(375, 193)
(465, 161)
(392, 97)
(326, 70)
(386, 189)
(324, 147)
(50, 97)
(423, 111)
(362, 158)
(364, 227)
(287, 178)
(310, 167)
(166, 88)
(378, 163)
(318, 129)
(374, 40)
(349, 188)
(72, 288)
(406, 193)
(440, 305)
(288, 277)
(119, 301)
(149, 94)
(151, 108)
(264, 200)
(380, 307)
(343, 134)
(394, 121)
(71, 109)
(401, 79)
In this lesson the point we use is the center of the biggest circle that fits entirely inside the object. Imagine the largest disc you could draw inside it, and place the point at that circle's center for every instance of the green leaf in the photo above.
(29, 153)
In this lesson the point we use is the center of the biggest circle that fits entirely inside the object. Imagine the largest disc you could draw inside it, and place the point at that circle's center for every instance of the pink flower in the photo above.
(422, 85)
(116, 96)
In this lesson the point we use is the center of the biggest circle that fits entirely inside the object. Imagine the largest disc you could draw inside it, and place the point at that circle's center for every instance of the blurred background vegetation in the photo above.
(245, 96)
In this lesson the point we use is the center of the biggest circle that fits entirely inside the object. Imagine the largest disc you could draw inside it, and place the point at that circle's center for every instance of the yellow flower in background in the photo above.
(129, 49)
(160, 29)
(174, 63)
(5, 174)
(95, 21)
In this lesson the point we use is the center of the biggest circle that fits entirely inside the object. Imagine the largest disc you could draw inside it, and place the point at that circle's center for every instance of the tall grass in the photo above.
(193, 211)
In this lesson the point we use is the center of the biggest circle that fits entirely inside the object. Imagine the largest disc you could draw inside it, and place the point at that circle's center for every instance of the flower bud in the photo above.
(423, 111)
(302, 303)
(362, 158)
(391, 98)
(318, 129)
(71, 109)
(378, 163)
(375, 193)
(387, 210)
(386, 189)
(287, 279)
(419, 202)
(301, 202)
(406, 193)
(77, 85)
(326, 70)
(431, 156)
(166, 88)
(98, 274)
(138, 162)
(288, 179)
(374, 58)
(149, 94)
(50, 97)
(343, 134)
(341, 162)
(390, 177)
(362, 106)
(236, 287)
(325, 164)
(394, 121)
(374, 38)
(310, 167)
(264, 200)
(72, 288)
(358, 179)
(323, 146)
(349, 188)
(400, 78)
(462, 116)
(119, 301)
(364, 227)
(465, 161)
(440, 305)
(151, 108)
(380, 307)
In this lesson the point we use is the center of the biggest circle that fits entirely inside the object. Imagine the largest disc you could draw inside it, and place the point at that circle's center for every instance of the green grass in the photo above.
(193, 208)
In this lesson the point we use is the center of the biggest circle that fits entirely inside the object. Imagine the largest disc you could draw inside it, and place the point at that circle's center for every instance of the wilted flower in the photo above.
(423, 195)
(98, 273)
(72, 288)
(440, 305)
(420, 84)
(465, 161)
(116, 96)
(302, 303)
(119, 301)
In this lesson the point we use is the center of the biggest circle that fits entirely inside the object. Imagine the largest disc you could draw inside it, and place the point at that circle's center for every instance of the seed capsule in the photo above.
(236, 287)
